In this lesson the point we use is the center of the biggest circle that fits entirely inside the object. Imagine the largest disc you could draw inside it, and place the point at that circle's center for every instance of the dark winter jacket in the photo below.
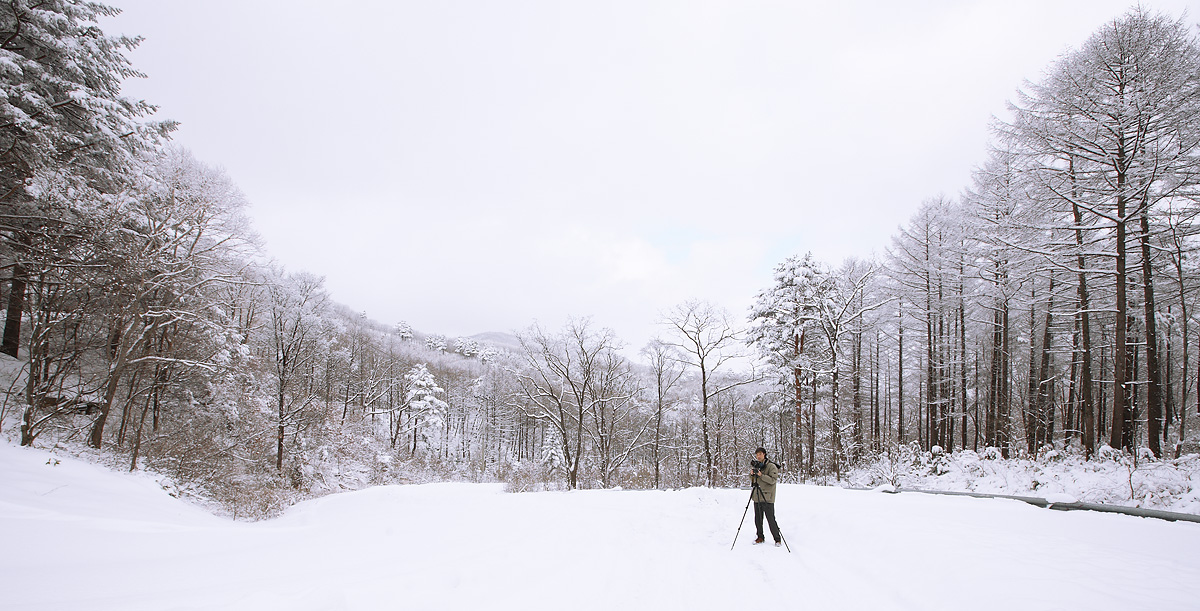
(766, 482)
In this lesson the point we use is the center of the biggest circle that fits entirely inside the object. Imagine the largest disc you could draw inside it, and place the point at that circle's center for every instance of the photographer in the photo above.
(763, 474)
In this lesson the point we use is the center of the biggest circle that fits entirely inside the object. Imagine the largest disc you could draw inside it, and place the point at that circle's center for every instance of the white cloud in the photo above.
(473, 166)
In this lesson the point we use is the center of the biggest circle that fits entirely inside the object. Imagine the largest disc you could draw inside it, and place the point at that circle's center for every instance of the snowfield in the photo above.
(79, 537)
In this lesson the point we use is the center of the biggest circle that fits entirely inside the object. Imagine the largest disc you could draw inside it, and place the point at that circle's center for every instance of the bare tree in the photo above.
(618, 426)
(666, 372)
(295, 305)
(706, 340)
(564, 383)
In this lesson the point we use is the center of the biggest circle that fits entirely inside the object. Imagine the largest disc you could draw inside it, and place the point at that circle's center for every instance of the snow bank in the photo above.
(79, 537)
(1112, 479)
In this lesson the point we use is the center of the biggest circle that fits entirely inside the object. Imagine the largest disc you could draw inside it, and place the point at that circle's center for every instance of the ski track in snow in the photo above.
(81, 537)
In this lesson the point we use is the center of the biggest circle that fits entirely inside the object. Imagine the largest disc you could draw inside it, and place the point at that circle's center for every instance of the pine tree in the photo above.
(61, 114)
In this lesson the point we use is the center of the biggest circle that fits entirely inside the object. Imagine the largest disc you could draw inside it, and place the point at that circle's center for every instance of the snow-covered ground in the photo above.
(1112, 478)
(77, 536)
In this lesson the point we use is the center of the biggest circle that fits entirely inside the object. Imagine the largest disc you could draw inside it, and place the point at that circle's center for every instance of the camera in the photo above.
(758, 465)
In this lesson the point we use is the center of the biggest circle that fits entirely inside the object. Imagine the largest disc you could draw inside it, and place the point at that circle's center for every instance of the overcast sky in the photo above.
(472, 166)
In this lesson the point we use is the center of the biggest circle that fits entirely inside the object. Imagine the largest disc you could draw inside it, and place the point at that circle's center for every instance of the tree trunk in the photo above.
(1086, 404)
(836, 423)
(710, 468)
(1168, 388)
(900, 437)
(931, 384)
(1045, 394)
(945, 381)
(280, 435)
(115, 373)
(96, 438)
(658, 417)
(812, 427)
(1119, 438)
(1030, 419)
(990, 434)
(922, 389)
(137, 436)
(1154, 402)
(856, 400)
(962, 351)
(11, 344)
(1071, 417)
(876, 430)
(1128, 422)
(797, 381)
(975, 439)
(1003, 415)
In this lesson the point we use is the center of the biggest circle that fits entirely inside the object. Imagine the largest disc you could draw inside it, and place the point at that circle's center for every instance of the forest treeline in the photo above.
(1051, 303)
(1048, 306)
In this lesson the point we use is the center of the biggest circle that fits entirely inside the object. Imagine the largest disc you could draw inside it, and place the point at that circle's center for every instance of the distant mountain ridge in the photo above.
(498, 339)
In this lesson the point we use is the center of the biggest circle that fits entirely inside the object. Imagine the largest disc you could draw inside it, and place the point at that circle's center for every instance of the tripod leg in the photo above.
(739, 530)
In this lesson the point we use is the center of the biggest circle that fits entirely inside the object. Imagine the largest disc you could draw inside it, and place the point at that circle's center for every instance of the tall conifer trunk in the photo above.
(1086, 403)
(1154, 402)
(1119, 438)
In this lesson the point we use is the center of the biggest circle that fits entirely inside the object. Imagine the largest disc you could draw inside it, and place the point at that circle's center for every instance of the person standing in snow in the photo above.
(763, 475)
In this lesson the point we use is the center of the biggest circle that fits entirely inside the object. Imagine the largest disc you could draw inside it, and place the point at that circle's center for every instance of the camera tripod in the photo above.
(754, 488)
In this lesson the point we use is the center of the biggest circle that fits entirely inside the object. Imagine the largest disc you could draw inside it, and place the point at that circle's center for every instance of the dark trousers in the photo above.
(767, 509)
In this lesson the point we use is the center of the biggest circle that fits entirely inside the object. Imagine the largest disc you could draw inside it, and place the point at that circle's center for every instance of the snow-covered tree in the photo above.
(436, 342)
(62, 118)
(296, 303)
(466, 346)
(1120, 119)
(161, 256)
(404, 331)
(782, 318)
(426, 408)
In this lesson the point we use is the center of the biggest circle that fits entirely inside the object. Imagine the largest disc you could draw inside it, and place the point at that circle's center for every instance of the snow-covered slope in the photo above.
(79, 537)
(503, 341)
(1111, 479)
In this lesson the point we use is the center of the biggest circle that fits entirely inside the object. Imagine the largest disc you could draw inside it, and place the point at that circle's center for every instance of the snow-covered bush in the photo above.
(527, 476)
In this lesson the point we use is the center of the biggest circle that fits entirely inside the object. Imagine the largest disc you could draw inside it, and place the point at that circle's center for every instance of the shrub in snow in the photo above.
(939, 463)
(526, 476)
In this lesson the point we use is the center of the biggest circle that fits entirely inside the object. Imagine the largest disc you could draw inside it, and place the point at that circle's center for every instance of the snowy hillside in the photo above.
(502, 341)
(80, 537)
